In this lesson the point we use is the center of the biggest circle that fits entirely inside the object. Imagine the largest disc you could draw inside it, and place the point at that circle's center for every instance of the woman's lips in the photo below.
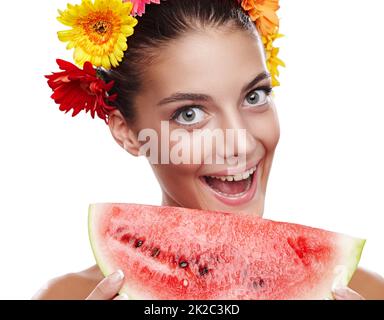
(233, 190)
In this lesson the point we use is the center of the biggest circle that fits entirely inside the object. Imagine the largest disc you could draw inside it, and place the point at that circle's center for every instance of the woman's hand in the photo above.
(109, 287)
(345, 293)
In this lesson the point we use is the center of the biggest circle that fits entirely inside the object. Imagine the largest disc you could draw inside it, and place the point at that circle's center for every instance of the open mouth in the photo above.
(233, 189)
(233, 185)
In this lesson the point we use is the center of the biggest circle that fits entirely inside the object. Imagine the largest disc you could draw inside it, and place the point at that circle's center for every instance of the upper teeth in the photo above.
(236, 177)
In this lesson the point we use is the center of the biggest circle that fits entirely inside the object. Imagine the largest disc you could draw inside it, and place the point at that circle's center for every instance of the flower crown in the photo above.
(98, 35)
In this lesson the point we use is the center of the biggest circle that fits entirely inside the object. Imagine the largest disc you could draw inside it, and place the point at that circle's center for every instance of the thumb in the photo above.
(345, 293)
(108, 288)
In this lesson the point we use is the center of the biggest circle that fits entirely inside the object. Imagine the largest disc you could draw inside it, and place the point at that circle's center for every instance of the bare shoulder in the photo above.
(72, 286)
(368, 284)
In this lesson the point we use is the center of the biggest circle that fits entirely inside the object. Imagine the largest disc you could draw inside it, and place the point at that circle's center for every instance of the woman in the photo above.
(196, 65)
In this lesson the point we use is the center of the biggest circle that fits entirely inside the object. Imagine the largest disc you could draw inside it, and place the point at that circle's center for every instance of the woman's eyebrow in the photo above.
(180, 96)
(260, 77)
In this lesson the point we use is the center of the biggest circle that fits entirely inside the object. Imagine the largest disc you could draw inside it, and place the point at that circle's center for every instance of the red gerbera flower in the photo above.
(139, 5)
(78, 89)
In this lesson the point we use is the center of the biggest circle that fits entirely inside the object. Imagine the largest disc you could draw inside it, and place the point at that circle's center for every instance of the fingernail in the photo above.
(337, 287)
(338, 290)
(117, 276)
(346, 293)
(341, 293)
(123, 296)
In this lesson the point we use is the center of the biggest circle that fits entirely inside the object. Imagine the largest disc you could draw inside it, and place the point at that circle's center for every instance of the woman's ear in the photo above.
(123, 133)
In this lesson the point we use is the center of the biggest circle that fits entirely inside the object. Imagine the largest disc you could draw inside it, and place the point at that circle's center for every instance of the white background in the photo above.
(328, 171)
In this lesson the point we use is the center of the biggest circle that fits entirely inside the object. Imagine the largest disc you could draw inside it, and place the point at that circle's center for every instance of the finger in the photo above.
(122, 296)
(345, 293)
(108, 287)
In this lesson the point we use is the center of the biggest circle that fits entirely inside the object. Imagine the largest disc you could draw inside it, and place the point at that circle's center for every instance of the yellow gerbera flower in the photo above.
(273, 62)
(99, 31)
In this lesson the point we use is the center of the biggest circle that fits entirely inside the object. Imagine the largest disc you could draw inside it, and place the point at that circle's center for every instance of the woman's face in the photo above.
(217, 81)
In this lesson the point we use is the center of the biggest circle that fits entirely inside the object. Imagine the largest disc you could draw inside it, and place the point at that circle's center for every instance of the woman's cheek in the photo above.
(265, 127)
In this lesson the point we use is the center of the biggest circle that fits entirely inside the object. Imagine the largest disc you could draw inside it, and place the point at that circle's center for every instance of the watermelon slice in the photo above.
(179, 253)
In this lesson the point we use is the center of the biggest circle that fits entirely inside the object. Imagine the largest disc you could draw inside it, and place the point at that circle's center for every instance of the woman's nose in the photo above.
(239, 143)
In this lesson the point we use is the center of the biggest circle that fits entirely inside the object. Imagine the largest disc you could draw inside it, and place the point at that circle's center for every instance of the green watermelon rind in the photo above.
(356, 247)
(105, 269)
(101, 265)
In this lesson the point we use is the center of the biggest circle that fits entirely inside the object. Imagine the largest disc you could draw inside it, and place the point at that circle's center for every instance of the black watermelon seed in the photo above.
(139, 243)
(258, 283)
(155, 252)
(203, 270)
(183, 264)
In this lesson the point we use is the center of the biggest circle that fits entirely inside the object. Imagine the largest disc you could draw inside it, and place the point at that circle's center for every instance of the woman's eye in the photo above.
(257, 98)
(189, 116)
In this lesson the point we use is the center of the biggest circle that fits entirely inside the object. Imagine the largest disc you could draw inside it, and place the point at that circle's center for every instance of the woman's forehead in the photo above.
(205, 61)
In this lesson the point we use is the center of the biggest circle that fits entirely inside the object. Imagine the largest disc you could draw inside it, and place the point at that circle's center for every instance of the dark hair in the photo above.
(159, 24)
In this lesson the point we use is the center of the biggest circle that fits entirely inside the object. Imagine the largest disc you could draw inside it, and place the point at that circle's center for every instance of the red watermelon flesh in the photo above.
(179, 253)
